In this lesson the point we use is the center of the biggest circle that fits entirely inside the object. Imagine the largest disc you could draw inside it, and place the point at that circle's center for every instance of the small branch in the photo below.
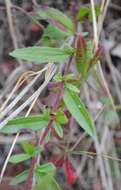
(11, 26)
(28, 182)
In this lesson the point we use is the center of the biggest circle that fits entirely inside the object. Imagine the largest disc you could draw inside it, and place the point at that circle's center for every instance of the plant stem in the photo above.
(28, 182)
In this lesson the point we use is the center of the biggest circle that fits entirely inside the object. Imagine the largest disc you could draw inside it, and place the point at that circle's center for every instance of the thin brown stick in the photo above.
(11, 26)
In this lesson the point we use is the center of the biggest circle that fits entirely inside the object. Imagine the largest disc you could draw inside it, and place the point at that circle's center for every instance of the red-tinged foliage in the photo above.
(69, 171)
(57, 161)
(58, 25)
(80, 45)
(80, 42)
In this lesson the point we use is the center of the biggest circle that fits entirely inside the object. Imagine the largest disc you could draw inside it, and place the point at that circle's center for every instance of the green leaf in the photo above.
(83, 11)
(53, 33)
(41, 54)
(33, 123)
(17, 158)
(47, 182)
(55, 185)
(57, 18)
(19, 178)
(88, 56)
(83, 62)
(72, 87)
(59, 77)
(46, 113)
(61, 117)
(45, 168)
(27, 147)
(58, 129)
(78, 111)
(87, 12)
(97, 12)
(89, 53)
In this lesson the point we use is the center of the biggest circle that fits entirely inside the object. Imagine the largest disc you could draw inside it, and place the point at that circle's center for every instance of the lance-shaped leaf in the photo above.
(84, 53)
(27, 147)
(45, 168)
(61, 117)
(72, 87)
(17, 158)
(81, 48)
(53, 33)
(41, 54)
(78, 111)
(33, 123)
(21, 177)
(47, 182)
(86, 12)
(58, 129)
(83, 12)
(57, 18)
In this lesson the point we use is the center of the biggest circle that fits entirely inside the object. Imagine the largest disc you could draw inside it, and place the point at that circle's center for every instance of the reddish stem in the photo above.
(28, 182)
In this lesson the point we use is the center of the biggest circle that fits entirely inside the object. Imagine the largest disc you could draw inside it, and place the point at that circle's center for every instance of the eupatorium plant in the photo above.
(55, 120)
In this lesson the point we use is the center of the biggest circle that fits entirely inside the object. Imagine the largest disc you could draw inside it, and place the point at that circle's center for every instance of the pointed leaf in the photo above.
(78, 111)
(45, 168)
(83, 56)
(58, 129)
(33, 123)
(83, 12)
(61, 117)
(19, 178)
(47, 182)
(53, 33)
(17, 158)
(72, 87)
(41, 54)
(57, 18)
(55, 185)
(27, 147)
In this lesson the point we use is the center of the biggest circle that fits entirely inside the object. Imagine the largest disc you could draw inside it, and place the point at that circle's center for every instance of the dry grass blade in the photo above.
(11, 26)
(95, 154)
(20, 81)
(29, 100)
(103, 166)
(51, 72)
(21, 94)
